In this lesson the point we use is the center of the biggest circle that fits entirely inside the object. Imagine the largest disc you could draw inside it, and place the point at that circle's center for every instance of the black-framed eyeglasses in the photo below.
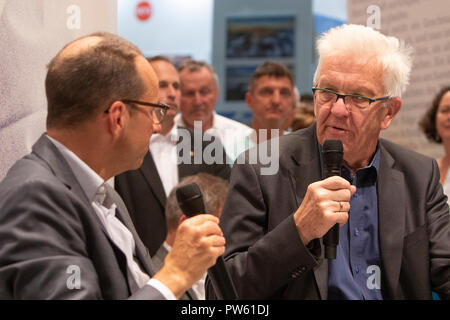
(159, 111)
(325, 96)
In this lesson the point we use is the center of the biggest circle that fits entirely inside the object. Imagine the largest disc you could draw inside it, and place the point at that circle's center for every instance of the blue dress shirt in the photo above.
(355, 274)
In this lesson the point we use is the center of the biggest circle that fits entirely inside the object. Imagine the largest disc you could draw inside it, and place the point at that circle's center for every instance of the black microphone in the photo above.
(190, 200)
(332, 154)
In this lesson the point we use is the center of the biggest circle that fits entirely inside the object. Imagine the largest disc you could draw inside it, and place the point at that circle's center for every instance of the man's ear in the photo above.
(393, 107)
(249, 100)
(182, 218)
(117, 118)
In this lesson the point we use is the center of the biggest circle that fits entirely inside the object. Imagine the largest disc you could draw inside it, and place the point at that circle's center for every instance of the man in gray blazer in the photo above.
(64, 232)
(394, 219)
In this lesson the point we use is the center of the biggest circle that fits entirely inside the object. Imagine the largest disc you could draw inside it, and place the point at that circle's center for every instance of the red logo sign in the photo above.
(143, 10)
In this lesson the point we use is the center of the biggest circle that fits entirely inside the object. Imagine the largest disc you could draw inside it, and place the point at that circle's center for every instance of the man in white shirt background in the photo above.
(199, 94)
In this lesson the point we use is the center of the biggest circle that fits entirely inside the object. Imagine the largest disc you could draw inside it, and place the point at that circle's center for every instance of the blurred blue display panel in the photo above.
(323, 23)
(237, 79)
(260, 37)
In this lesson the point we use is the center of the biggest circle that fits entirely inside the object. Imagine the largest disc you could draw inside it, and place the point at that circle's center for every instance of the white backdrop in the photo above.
(31, 33)
(425, 25)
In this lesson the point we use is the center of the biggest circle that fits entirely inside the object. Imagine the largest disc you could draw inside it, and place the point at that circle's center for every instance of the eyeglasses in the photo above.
(159, 112)
(325, 96)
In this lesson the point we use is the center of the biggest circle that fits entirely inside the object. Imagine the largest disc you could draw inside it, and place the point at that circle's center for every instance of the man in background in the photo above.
(304, 113)
(199, 94)
(145, 190)
(271, 98)
(214, 190)
(64, 232)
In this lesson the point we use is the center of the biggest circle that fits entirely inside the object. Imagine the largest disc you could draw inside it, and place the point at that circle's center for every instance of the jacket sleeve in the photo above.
(439, 236)
(43, 253)
(260, 260)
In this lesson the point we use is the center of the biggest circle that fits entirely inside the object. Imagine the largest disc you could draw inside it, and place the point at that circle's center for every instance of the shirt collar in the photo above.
(375, 162)
(89, 180)
(180, 122)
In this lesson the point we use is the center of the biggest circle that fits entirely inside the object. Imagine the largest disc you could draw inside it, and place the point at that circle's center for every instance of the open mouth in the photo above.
(337, 130)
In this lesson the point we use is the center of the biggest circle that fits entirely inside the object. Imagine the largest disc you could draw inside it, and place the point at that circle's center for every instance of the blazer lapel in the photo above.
(391, 219)
(150, 173)
(49, 153)
(305, 170)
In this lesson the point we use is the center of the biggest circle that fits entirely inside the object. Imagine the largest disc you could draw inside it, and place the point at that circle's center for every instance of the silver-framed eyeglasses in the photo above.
(325, 96)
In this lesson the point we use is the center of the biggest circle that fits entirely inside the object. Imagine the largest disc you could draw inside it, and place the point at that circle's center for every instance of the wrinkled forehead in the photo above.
(352, 71)
(272, 80)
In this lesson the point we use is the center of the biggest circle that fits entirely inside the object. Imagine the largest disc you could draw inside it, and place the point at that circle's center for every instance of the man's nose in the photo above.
(197, 97)
(276, 97)
(339, 108)
(156, 127)
(171, 92)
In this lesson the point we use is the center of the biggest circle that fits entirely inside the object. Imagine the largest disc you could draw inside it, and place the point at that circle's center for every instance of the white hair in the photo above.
(357, 41)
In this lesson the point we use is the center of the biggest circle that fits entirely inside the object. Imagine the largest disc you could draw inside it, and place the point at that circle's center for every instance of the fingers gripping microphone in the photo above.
(190, 200)
(332, 154)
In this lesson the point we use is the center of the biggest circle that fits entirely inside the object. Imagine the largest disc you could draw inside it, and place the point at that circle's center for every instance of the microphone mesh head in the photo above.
(187, 191)
(333, 146)
(190, 199)
(332, 154)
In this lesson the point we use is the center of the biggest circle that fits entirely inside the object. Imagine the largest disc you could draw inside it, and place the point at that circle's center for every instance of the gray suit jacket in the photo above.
(48, 229)
(267, 259)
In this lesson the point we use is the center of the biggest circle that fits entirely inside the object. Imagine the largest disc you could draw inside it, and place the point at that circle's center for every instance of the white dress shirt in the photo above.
(94, 188)
(164, 153)
(232, 134)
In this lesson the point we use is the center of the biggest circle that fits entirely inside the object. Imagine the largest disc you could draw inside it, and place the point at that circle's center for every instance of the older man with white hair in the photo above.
(395, 222)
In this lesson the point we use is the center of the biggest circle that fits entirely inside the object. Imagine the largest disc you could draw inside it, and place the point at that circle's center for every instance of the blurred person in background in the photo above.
(199, 93)
(271, 98)
(436, 126)
(214, 190)
(304, 113)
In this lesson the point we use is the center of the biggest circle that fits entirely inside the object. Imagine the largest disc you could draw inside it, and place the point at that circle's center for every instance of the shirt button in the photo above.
(356, 270)
(356, 232)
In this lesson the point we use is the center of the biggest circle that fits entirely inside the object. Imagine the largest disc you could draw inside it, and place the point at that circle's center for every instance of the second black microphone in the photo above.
(190, 200)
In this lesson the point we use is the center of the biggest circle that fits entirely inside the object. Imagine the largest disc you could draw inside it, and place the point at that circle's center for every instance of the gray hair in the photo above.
(214, 191)
(195, 66)
(351, 40)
